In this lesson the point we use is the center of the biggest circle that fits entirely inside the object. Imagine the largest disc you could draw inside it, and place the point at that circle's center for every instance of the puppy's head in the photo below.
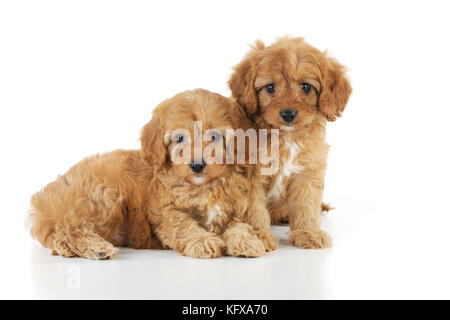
(290, 83)
(189, 134)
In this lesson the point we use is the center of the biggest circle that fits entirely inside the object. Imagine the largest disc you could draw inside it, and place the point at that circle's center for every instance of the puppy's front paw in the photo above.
(269, 240)
(250, 247)
(310, 239)
(204, 246)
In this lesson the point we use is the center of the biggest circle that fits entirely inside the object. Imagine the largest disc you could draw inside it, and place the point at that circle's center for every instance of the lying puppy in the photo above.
(142, 199)
(295, 88)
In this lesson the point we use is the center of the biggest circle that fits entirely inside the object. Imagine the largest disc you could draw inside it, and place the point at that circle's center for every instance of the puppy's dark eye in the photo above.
(306, 87)
(179, 138)
(270, 88)
(216, 136)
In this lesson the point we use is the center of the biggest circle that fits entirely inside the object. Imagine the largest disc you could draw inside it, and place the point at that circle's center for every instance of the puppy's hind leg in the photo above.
(279, 216)
(60, 248)
(82, 241)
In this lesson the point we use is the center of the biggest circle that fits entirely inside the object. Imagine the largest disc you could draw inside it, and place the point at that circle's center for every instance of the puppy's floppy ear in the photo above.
(242, 80)
(152, 141)
(240, 120)
(335, 91)
(238, 116)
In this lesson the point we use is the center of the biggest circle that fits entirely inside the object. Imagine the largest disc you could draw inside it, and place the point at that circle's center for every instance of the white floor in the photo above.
(364, 263)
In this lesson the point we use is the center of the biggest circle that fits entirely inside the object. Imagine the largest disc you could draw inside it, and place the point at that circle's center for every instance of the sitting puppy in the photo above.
(295, 88)
(142, 199)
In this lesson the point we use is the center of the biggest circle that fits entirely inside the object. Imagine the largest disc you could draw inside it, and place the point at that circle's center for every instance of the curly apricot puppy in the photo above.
(204, 208)
(295, 88)
(141, 199)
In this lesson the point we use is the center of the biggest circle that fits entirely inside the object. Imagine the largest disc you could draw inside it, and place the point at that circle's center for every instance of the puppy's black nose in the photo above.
(288, 115)
(197, 167)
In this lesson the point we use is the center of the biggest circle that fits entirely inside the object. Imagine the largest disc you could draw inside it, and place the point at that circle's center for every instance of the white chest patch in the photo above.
(213, 212)
(198, 180)
(288, 168)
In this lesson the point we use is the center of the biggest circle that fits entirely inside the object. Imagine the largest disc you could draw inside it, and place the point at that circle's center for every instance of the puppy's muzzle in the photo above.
(197, 167)
(288, 115)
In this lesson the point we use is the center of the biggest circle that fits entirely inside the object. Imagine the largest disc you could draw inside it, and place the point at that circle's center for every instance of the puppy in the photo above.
(295, 88)
(143, 199)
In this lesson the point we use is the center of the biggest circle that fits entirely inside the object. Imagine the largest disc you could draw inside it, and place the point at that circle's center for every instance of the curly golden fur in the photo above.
(291, 67)
(141, 199)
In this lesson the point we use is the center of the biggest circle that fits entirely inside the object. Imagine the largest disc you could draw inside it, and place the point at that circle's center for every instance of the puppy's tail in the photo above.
(326, 207)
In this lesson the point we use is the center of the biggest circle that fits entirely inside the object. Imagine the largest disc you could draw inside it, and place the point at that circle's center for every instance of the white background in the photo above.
(81, 77)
